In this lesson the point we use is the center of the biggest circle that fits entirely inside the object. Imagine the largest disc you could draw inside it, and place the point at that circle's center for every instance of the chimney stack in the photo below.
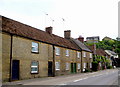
(49, 30)
(67, 34)
(81, 39)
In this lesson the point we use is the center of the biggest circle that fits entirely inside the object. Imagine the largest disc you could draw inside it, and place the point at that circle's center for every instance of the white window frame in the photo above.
(35, 46)
(34, 66)
(67, 66)
(67, 52)
(79, 66)
(78, 54)
(84, 65)
(90, 65)
(57, 66)
(84, 54)
(57, 51)
(90, 55)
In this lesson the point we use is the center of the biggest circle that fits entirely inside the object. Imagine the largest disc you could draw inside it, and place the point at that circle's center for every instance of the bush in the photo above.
(109, 67)
(94, 65)
(87, 70)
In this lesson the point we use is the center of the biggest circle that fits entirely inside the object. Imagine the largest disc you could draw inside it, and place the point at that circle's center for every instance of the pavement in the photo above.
(62, 80)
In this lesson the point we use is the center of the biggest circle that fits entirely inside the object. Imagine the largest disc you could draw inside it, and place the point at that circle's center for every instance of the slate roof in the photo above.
(20, 29)
(81, 45)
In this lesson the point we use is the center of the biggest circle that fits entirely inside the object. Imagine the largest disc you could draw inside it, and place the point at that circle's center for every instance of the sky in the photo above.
(83, 17)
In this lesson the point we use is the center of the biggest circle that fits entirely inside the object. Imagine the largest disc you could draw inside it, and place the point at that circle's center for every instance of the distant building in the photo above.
(107, 38)
(118, 38)
(94, 39)
(113, 56)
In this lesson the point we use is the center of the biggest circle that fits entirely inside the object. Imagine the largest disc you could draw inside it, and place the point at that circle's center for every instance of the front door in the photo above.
(15, 70)
(50, 73)
(74, 67)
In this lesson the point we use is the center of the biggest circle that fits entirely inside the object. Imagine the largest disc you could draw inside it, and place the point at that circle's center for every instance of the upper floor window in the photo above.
(67, 52)
(84, 54)
(34, 67)
(57, 51)
(34, 47)
(78, 54)
(90, 55)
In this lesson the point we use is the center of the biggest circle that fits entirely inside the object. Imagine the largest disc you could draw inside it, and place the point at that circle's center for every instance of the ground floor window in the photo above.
(34, 67)
(78, 65)
(67, 66)
(57, 65)
(90, 65)
(84, 65)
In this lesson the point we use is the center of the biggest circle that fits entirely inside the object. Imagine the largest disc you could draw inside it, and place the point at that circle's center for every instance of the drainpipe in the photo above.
(81, 63)
(11, 58)
(53, 61)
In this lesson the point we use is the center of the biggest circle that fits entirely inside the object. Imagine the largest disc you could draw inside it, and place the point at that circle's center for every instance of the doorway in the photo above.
(15, 70)
(50, 69)
(73, 67)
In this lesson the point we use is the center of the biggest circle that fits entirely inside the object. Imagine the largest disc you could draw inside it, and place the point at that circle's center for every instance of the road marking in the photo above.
(77, 80)
(80, 79)
(63, 84)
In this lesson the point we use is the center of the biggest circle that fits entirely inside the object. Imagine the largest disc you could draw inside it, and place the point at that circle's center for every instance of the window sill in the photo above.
(35, 73)
(57, 54)
(35, 52)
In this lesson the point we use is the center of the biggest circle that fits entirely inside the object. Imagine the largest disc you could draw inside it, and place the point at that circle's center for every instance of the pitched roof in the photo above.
(101, 52)
(17, 28)
(81, 45)
(112, 52)
(98, 51)
(92, 48)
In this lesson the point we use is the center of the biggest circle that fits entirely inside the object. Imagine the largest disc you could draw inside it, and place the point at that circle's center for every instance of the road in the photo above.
(105, 77)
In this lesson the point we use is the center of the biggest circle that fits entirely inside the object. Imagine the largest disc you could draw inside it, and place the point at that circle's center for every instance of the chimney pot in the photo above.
(81, 39)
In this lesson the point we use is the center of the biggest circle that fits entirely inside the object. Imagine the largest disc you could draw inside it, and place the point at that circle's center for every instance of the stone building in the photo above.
(86, 54)
(28, 52)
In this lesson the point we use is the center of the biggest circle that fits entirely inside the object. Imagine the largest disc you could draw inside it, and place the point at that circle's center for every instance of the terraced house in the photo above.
(86, 54)
(28, 52)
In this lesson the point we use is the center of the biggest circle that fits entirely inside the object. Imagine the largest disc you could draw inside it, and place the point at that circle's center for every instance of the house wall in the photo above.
(6, 41)
(22, 51)
(0, 58)
(86, 60)
(63, 59)
(0, 50)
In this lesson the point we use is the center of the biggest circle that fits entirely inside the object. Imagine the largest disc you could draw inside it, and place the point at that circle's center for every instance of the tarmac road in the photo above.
(103, 77)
